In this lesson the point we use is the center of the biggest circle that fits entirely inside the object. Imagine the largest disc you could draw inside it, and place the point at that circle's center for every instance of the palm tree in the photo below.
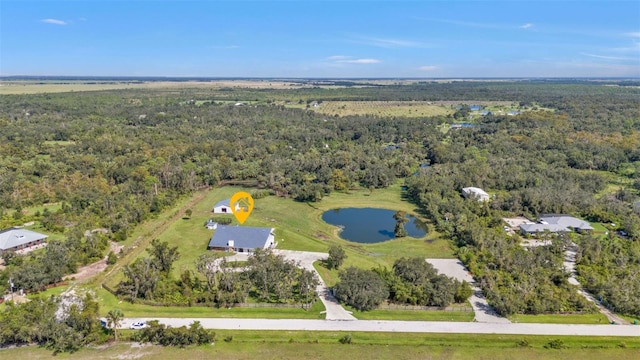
(114, 317)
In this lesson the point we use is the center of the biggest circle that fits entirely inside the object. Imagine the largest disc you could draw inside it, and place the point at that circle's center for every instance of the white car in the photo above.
(138, 325)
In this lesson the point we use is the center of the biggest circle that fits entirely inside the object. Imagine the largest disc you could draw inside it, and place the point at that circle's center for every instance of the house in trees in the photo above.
(555, 224)
(476, 193)
(223, 207)
(14, 239)
(242, 239)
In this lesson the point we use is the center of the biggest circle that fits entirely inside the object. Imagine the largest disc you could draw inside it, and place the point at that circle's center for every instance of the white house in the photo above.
(242, 238)
(223, 207)
(474, 192)
(14, 239)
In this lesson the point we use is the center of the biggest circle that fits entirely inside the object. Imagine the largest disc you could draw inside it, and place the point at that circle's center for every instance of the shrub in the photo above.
(111, 258)
(345, 339)
(222, 220)
(555, 344)
(522, 343)
(259, 194)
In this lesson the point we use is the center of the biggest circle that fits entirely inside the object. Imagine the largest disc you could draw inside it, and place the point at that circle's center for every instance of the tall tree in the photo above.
(336, 257)
(163, 256)
(362, 289)
(114, 317)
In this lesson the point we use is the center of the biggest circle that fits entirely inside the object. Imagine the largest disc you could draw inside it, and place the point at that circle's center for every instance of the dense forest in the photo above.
(115, 158)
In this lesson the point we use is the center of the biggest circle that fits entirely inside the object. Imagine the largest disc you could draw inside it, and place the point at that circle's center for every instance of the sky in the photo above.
(321, 39)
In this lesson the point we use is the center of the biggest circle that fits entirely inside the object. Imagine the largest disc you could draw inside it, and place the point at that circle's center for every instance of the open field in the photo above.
(597, 318)
(413, 315)
(48, 86)
(298, 227)
(325, 345)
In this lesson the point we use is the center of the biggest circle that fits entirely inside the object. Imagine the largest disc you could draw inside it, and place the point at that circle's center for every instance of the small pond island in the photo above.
(370, 225)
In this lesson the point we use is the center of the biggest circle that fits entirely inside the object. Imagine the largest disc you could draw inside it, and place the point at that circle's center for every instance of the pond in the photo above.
(368, 225)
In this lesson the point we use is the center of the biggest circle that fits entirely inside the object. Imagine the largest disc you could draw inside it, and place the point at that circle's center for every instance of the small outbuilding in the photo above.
(476, 193)
(223, 207)
(242, 239)
(211, 225)
(14, 239)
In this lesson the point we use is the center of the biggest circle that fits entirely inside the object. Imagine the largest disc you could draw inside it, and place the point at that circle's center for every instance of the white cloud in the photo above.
(428, 68)
(343, 59)
(390, 43)
(362, 61)
(54, 21)
(526, 26)
(606, 57)
(633, 34)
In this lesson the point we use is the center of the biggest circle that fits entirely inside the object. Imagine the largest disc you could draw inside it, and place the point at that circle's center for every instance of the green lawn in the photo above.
(413, 315)
(326, 346)
(599, 228)
(109, 302)
(597, 318)
(299, 227)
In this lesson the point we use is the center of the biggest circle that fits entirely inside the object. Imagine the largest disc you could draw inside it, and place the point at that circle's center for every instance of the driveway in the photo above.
(334, 311)
(455, 269)
(570, 265)
(398, 326)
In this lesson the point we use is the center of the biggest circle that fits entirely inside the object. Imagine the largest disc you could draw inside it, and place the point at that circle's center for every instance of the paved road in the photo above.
(399, 326)
(334, 311)
(455, 269)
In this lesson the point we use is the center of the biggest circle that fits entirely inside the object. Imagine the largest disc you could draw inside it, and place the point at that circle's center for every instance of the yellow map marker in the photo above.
(241, 205)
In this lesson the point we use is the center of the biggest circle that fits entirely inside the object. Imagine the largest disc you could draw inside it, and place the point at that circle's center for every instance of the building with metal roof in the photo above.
(242, 238)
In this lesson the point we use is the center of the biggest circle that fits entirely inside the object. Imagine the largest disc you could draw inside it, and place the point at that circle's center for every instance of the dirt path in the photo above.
(141, 243)
(91, 270)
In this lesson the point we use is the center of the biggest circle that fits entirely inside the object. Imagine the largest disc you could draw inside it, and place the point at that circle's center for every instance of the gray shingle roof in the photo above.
(243, 237)
(13, 237)
(556, 223)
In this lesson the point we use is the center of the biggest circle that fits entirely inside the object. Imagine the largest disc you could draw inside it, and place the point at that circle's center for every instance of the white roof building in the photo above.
(17, 238)
(555, 224)
(475, 192)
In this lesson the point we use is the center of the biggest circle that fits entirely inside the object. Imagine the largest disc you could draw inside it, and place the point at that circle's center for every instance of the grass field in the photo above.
(561, 319)
(413, 315)
(299, 227)
(326, 345)
(57, 86)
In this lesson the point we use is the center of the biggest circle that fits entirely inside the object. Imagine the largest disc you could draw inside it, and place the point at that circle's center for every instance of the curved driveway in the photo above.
(399, 326)
(334, 311)
(483, 311)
